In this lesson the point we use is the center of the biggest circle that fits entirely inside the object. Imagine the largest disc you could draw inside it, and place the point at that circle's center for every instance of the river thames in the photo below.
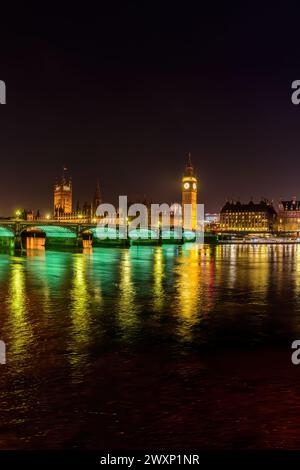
(150, 347)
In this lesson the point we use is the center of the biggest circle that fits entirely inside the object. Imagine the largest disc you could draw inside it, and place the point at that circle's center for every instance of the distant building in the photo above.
(63, 204)
(250, 217)
(289, 215)
(29, 215)
(212, 218)
(189, 196)
(176, 214)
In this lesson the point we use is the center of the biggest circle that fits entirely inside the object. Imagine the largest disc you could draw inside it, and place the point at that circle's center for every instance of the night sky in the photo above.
(123, 93)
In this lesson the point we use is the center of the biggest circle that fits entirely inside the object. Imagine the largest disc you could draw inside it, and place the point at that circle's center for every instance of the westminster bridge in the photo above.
(72, 234)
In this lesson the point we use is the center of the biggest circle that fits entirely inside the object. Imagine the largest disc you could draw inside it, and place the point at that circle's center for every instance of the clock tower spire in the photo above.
(189, 196)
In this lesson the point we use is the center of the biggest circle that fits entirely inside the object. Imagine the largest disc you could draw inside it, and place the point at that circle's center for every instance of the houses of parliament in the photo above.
(63, 209)
(234, 216)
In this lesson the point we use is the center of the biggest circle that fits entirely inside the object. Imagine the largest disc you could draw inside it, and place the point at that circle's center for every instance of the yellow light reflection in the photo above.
(188, 292)
(80, 313)
(158, 289)
(127, 305)
(17, 304)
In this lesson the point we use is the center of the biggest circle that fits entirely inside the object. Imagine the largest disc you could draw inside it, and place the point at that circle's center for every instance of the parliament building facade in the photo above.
(251, 217)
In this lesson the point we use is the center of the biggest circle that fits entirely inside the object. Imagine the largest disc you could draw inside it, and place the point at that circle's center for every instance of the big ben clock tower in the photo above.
(189, 196)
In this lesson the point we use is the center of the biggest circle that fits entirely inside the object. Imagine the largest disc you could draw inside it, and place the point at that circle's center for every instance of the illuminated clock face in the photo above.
(194, 186)
(186, 185)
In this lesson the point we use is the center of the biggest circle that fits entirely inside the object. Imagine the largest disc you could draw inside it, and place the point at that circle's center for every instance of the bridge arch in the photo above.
(189, 236)
(52, 231)
(6, 231)
(143, 233)
(105, 233)
(171, 234)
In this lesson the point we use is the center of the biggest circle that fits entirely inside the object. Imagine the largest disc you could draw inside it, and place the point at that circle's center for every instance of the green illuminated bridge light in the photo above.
(74, 234)
(53, 231)
(142, 233)
(105, 233)
(112, 233)
(6, 232)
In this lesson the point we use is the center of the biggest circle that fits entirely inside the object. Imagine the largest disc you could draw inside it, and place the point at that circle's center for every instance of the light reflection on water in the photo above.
(112, 347)
(18, 304)
(75, 304)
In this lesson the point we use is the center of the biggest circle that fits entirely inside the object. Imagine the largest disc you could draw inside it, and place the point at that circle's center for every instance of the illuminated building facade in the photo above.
(250, 217)
(289, 215)
(63, 205)
(189, 196)
(63, 196)
(212, 218)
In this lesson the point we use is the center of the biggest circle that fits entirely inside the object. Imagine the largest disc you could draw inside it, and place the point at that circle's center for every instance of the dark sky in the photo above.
(123, 93)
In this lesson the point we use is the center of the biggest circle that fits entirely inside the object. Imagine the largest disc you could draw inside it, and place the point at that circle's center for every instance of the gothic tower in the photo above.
(63, 195)
(189, 196)
(97, 198)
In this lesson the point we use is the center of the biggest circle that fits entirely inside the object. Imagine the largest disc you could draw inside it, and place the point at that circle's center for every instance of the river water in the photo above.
(150, 347)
